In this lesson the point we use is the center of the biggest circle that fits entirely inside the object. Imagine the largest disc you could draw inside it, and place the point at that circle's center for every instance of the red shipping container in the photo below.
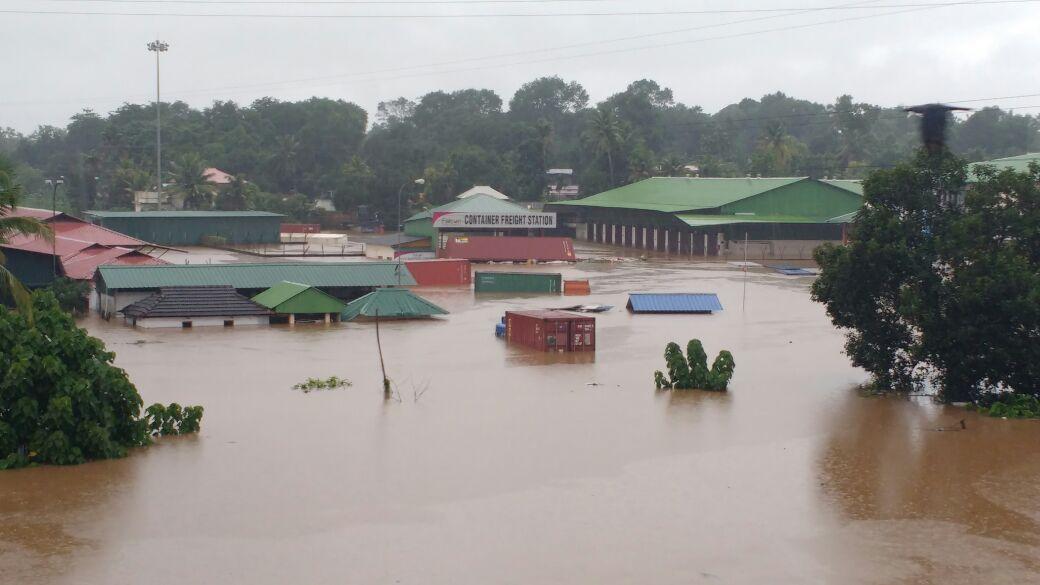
(509, 248)
(551, 330)
(440, 272)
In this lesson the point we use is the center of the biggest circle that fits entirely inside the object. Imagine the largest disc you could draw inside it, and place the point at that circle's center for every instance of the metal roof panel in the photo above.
(674, 302)
(257, 276)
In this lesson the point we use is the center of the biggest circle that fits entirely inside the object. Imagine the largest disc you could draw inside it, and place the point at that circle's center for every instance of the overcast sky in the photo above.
(57, 64)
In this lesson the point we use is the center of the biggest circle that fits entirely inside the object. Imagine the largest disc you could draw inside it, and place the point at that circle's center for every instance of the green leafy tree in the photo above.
(128, 179)
(357, 181)
(10, 193)
(778, 152)
(940, 284)
(61, 399)
(189, 181)
(691, 371)
(235, 195)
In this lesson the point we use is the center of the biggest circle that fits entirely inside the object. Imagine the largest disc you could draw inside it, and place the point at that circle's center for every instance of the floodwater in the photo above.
(500, 465)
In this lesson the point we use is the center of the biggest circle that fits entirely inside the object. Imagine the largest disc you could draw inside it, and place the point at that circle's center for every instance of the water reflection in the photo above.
(43, 509)
(885, 462)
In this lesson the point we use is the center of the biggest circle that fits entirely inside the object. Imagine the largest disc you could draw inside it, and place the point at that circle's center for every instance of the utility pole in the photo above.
(400, 226)
(158, 47)
(54, 211)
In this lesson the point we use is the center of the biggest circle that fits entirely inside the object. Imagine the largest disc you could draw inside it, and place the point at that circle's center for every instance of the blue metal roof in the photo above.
(673, 302)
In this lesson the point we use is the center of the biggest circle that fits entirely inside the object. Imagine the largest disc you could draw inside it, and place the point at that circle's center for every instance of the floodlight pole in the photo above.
(400, 226)
(158, 47)
(54, 211)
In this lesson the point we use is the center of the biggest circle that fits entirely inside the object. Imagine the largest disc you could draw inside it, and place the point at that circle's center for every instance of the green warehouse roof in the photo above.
(257, 276)
(181, 214)
(672, 194)
(1018, 163)
(476, 203)
(851, 185)
(391, 303)
(295, 298)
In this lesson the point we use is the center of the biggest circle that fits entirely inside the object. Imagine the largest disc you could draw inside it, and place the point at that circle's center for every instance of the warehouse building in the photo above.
(189, 228)
(711, 217)
(119, 286)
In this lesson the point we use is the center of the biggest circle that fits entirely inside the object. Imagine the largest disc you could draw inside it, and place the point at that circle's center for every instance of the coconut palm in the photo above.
(605, 135)
(235, 196)
(10, 192)
(188, 176)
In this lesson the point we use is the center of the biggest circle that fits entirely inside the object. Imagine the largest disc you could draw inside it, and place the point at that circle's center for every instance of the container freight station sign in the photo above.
(481, 220)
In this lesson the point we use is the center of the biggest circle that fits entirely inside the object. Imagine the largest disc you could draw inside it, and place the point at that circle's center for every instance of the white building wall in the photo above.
(178, 322)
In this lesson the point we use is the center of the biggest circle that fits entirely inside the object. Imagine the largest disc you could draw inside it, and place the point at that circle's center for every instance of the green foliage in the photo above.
(61, 399)
(173, 419)
(330, 383)
(1010, 405)
(72, 295)
(691, 371)
(932, 291)
(189, 182)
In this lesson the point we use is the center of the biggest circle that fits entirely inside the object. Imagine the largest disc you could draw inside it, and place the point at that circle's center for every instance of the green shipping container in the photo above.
(528, 282)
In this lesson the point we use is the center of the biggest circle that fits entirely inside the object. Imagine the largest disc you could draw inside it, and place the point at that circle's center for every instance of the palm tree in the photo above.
(605, 135)
(127, 180)
(779, 147)
(10, 192)
(188, 176)
(284, 161)
(235, 196)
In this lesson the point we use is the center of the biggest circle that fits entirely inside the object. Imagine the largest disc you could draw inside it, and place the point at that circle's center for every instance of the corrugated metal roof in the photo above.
(181, 214)
(1018, 163)
(82, 266)
(682, 193)
(846, 218)
(674, 302)
(194, 301)
(293, 297)
(475, 203)
(695, 220)
(257, 276)
(482, 190)
(851, 185)
(510, 248)
(391, 303)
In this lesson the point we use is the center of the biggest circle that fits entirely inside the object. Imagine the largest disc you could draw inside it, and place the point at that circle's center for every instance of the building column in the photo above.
(591, 233)
(292, 318)
(624, 235)
(328, 318)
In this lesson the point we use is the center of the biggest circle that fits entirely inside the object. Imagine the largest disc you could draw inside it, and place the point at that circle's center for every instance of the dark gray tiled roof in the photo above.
(194, 301)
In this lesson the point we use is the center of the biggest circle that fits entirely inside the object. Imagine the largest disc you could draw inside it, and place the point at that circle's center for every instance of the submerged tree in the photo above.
(691, 371)
(940, 286)
(62, 401)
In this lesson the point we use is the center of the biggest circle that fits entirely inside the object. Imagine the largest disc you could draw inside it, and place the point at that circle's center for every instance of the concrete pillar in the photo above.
(593, 233)
(328, 318)
(292, 319)
(667, 248)
(643, 241)
(705, 244)
(624, 235)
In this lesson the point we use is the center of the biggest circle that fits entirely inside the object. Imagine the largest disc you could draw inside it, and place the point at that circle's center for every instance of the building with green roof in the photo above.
(293, 300)
(477, 213)
(782, 217)
(188, 228)
(1018, 163)
(118, 286)
(391, 303)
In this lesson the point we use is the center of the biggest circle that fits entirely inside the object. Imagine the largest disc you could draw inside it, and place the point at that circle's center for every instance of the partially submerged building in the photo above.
(391, 303)
(119, 286)
(390, 246)
(697, 303)
(779, 217)
(190, 228)
(509, 249)
(478, 214)
(195, 306)
(293, 301)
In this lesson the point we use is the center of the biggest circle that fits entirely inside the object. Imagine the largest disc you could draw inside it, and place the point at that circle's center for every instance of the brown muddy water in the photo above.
(527, 468)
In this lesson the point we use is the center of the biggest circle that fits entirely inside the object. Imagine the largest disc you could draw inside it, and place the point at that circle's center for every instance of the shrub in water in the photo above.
(691, 371)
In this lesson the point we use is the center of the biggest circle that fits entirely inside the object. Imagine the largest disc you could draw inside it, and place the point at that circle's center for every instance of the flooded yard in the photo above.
(519, 467)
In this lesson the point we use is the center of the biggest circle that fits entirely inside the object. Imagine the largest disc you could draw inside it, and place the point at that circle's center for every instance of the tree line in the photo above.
(287, 154)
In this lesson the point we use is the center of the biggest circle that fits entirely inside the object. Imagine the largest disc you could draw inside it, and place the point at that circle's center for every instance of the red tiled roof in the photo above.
(509, 248)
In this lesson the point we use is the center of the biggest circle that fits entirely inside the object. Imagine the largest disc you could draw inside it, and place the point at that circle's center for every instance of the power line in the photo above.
(474, 59)
(390, 16)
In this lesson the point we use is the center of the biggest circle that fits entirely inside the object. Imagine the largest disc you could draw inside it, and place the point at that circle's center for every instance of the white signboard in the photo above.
(512, 220)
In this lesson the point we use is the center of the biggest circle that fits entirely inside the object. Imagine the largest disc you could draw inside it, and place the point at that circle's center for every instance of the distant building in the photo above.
(482, 190)
(217, 177)
(561, 185)
(188, 228)
(1018, 163)
(711, 217)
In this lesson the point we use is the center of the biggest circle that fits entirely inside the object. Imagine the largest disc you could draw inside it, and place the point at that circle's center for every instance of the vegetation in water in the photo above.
(330, 383)
(940, 285)
(1009, 405)
(61, 399)
(691, 371)
(72, 295)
